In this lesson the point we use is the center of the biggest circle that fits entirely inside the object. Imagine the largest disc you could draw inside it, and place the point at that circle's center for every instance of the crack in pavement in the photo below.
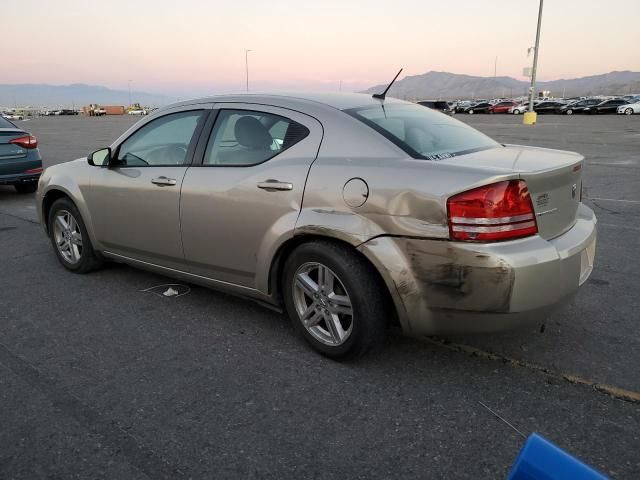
(35, 222)
(613, 391)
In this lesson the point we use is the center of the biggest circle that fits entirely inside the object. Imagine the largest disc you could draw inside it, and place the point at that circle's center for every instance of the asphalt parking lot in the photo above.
(99, 379)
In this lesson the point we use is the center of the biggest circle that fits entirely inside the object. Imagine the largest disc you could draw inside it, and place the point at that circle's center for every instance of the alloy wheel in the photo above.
(628, 111)
(322, 304)
(68, 237)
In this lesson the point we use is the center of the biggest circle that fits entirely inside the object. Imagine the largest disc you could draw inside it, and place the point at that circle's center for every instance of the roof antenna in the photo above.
(382, 96)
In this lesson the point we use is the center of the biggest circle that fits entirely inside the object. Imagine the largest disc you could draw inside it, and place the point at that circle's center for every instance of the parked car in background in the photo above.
(20, 160)
(13, 116)
(66, 111)
(482, 107)
(521, 108)
(460, 106)
(501, 107)
(446, 231)
(137, 112)
(547, 107)
(439, 105)
(629, 109)
(578, 106)
(608, 106)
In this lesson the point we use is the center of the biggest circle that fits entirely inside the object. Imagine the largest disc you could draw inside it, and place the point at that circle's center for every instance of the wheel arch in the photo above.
(57, 191)
(48, 200)
(285, 250)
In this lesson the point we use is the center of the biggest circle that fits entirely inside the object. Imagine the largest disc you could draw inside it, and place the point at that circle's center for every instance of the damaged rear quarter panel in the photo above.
(449, 276)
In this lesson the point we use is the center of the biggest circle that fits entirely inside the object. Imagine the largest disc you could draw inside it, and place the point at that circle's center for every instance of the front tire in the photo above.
(470, 112)
(335, 299)
(70, 239)
(628, 111)
(516, 112)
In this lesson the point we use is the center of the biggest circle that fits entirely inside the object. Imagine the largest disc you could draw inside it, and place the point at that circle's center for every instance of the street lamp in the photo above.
(246, 65)
(530, 116)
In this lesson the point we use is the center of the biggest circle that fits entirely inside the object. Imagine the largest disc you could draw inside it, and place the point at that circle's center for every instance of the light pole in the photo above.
(531, 118)
(129, 83)
(246, 65)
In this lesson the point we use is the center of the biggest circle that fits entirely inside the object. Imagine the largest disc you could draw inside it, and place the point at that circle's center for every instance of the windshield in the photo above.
(421, 132)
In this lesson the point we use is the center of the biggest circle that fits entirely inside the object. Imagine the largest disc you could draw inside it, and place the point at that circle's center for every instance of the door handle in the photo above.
(275, 185)
(164, 181)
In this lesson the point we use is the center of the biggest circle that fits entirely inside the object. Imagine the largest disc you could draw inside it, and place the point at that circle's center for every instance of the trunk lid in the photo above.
(9, 150)
(554, 179)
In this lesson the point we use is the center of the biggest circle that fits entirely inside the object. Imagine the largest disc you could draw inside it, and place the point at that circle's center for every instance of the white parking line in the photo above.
(628, 227)
(613, 200)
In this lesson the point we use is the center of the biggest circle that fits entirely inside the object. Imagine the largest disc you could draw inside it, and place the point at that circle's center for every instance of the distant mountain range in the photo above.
(430, 85)
(448, 86)
(68, 96)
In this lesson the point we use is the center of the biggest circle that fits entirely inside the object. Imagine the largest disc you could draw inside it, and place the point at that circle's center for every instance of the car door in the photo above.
(244, 196)
(135, 201)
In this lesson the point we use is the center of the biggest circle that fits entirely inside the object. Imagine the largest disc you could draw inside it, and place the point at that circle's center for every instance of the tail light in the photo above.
(496, 212)
(34, 170)
(28, 141)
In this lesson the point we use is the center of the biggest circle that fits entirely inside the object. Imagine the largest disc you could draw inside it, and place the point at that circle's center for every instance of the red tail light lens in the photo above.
(496, 212)
(28, 141)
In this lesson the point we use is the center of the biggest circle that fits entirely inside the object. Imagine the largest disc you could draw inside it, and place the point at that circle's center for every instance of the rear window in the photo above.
(421, 132)
(4, 123)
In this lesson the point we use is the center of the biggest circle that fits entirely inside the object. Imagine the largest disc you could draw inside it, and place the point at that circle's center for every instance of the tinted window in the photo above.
(4, 123)
(162, 142)
(421, 132)
(244, 138)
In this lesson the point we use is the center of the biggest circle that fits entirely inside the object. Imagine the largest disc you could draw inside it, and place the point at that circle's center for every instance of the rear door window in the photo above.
(246, 138)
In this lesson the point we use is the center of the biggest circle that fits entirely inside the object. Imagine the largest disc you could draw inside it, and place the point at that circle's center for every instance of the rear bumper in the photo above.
(441, 287)
(16, 170)
(18, 178)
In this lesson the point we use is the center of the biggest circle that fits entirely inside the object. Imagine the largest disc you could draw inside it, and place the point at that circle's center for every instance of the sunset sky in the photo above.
(194, 47)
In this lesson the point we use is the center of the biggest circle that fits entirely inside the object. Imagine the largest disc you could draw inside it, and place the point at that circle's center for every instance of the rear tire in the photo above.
(70, 239)
(470, 112)
(344, 308)
(30, 187)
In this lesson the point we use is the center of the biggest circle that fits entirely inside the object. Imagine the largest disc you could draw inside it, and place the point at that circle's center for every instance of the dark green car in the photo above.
(20, 160)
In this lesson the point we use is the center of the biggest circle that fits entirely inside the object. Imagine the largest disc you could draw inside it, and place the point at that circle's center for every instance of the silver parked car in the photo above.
(350, 212)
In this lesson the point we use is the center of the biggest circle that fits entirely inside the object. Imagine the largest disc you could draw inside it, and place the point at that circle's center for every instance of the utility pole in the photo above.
(246, 66)
(535, 60)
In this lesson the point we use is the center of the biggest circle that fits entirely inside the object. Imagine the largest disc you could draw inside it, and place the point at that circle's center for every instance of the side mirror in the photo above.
(100, 158)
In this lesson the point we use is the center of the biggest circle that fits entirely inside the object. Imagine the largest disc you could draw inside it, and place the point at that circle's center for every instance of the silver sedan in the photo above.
(349, 212)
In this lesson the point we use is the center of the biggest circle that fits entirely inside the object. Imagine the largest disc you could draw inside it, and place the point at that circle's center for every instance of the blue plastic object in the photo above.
(540, 459)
